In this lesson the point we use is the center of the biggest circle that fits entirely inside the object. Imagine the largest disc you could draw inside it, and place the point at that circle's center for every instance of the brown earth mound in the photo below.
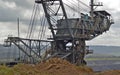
(62, 67)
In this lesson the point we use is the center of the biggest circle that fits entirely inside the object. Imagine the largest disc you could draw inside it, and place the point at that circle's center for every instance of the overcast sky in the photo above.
(10, 10)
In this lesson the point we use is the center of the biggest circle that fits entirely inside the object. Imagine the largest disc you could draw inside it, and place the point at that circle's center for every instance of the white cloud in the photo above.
(10, 5)
(114, 4)
(27, 14)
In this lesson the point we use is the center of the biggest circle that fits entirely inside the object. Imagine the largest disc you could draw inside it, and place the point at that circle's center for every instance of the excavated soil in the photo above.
(53, 66)
(62, 67)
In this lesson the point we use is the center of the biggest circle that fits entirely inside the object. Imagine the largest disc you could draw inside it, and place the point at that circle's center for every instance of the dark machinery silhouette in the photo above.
(68, 34)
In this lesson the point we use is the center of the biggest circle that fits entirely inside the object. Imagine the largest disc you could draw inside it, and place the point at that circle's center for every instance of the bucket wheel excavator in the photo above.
(68, 34)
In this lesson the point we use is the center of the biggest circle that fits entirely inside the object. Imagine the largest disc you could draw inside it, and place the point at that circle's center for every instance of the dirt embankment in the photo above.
(53, 66)
(62, 67)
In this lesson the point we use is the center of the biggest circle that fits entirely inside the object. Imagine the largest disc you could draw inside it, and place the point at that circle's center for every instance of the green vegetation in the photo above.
(16, 70)
(6, 71)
